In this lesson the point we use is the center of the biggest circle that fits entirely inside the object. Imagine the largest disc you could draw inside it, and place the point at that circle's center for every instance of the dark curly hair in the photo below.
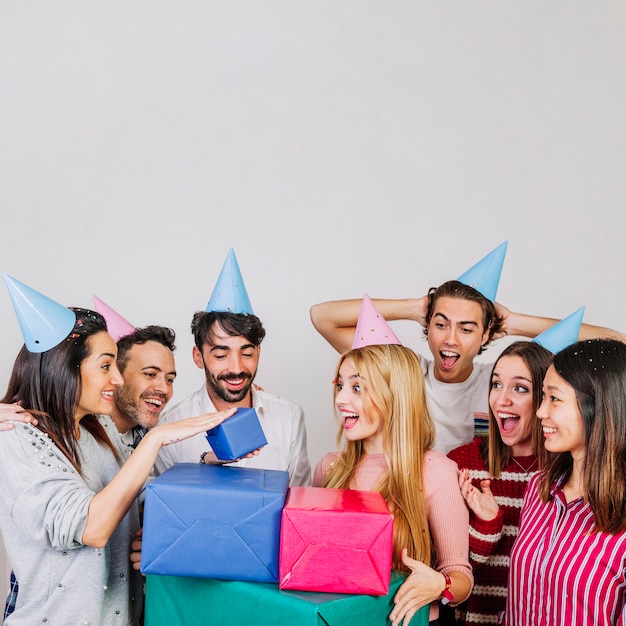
(233, 324)
(160, 334)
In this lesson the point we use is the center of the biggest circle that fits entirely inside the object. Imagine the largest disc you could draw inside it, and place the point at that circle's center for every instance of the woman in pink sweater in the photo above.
(387, 434)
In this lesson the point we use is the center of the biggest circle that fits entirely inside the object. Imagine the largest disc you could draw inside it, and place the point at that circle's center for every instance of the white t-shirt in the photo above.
(454, 407)
(282, 423)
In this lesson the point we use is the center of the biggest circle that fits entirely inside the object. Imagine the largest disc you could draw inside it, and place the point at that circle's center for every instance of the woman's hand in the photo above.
(10, 413)
(422, 586)
(481, 501)
(182, 429)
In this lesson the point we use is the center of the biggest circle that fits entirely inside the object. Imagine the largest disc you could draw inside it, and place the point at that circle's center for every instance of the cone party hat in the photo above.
(44, 323)
(229, 293)
(372, 328)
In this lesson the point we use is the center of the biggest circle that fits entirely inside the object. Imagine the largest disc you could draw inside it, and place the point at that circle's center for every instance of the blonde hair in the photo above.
(392, 385)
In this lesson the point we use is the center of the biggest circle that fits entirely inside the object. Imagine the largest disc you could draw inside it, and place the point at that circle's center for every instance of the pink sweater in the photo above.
(446, 512)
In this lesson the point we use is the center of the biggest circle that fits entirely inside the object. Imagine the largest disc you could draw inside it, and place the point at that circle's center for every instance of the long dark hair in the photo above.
(495, 452)
(49, 385)
(596, 369)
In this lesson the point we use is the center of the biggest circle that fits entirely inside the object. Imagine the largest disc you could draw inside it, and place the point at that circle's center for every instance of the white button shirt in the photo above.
(282, 423)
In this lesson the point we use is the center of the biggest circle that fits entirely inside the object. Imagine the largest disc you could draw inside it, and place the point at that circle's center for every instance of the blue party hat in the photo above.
(44, 323)
(230, 293)
(563, 333)
(485, 275)
(372, 328)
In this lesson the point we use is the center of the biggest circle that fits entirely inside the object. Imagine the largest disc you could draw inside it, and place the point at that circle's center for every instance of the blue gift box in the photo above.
(237, 436)
(210, 521)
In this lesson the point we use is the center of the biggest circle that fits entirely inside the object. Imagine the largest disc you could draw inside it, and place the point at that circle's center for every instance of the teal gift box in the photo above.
(172, 601)
(214, 522)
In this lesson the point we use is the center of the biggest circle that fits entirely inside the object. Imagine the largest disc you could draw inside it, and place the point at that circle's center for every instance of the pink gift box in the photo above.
(336, 541)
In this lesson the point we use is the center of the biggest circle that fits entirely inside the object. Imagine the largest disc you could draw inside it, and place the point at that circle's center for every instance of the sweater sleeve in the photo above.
(46, 497)
(484, 537)
(448, 518)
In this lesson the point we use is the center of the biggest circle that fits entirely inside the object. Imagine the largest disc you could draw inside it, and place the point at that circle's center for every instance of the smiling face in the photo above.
(455, 336)
(511, 402)
(230, 364)
(358, 424)
(560, 417)
(99, 377)
(149, 374)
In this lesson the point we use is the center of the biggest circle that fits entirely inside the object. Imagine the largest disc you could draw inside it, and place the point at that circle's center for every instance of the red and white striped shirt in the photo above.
(561, 572)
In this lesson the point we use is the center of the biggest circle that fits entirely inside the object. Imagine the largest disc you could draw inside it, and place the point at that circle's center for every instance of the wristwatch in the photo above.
(446, 596)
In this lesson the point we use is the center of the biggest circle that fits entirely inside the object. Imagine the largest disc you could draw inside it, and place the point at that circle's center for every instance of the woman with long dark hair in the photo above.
(68, 509)
(568, 563)
(495, 471)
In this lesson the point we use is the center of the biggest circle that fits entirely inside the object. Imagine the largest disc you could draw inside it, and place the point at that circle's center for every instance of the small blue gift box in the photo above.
(237, 435)
(211, 521)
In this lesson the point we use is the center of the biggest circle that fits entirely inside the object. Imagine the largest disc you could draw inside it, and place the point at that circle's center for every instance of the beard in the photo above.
(131, 407)
(223, 391)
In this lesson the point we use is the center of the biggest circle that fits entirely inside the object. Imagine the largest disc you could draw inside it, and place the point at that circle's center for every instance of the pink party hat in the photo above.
(372, 328)
(44, 323)
(485, 275)
(229, 293)
(563, 333)
(117, 326)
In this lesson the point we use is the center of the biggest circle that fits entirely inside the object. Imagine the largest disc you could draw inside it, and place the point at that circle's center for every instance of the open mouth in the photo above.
(107, 395)
(448, 359)
(547, 430)
(154, 404)
(349, 419)
(235, 383)
(508, 422)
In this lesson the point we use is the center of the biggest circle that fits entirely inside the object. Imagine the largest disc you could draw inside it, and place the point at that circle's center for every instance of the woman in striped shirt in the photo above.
(568, 564)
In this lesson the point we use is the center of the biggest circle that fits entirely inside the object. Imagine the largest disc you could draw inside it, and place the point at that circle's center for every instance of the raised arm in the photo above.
(108, 506)
(520, 324)
(336, 320)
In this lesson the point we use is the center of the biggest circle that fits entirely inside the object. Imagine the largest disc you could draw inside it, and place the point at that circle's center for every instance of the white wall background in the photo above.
(339, 147)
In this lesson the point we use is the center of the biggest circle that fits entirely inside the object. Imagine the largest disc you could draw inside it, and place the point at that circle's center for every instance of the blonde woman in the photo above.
(385, 437)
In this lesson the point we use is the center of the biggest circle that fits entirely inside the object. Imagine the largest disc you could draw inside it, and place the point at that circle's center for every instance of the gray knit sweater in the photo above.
(43, 513)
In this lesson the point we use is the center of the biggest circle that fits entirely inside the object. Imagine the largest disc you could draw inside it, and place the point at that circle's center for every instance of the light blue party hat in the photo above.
(372, 328)
(230, 293)
(44, 323)
(563, 333)
(485, 275)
